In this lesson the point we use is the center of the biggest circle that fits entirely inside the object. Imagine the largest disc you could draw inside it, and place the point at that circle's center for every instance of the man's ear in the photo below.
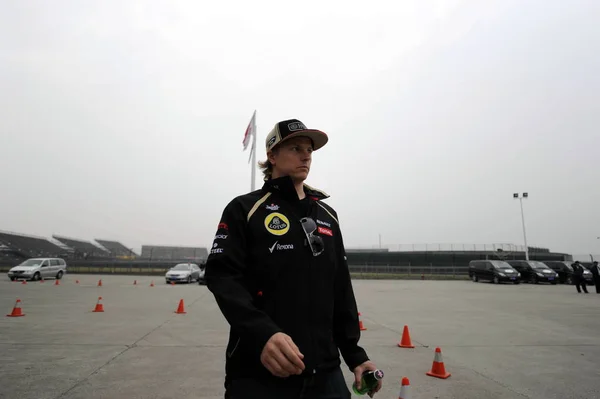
(271, 156)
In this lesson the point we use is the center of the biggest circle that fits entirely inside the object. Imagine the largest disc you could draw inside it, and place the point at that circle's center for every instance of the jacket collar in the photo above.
(284, 186)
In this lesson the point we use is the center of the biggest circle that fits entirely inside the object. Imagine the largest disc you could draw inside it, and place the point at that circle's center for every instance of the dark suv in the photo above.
(496, 271)
(564, 270)
(534, 271)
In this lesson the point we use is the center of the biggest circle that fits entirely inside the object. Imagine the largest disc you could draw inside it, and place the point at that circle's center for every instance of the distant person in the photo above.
(595, 269)
(278, 271)
(578, 278)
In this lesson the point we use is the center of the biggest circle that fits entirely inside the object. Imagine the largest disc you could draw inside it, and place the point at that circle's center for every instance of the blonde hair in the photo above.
(267, 166)
(267, 169)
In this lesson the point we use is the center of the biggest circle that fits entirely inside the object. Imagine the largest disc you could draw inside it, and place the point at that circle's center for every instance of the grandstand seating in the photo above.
(82, 248)
(29, 246)
(154, 252)
(9, 258)
(116, 249)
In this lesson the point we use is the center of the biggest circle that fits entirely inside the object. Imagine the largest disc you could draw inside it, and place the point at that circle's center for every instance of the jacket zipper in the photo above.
(311, 297)
(234, 348)
(312, 214)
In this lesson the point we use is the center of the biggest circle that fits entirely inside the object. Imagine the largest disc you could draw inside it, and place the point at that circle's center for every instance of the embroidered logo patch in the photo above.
(325, 231)
(277, 224)
(322, 223)
(215, 249)
(280, 247)
(272, 207)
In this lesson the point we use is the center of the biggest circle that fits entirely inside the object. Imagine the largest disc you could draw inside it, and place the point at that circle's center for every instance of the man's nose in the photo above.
(306, 154)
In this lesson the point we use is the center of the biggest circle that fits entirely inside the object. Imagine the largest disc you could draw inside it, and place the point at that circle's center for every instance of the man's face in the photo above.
(293, 158)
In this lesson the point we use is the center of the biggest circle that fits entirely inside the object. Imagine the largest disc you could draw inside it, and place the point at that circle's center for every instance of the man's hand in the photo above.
(358, 372)
(281, 356)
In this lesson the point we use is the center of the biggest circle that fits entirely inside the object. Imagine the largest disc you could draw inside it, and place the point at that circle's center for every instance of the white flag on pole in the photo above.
(250, 131)
(250, 134)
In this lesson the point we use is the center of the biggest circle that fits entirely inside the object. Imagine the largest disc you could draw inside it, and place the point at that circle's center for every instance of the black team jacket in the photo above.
(265, 280)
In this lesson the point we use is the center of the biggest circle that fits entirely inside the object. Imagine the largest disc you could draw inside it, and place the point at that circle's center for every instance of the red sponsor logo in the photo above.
(326, 231)
(223, 226)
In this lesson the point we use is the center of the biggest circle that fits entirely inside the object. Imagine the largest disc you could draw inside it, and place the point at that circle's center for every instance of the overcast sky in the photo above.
(124, 119)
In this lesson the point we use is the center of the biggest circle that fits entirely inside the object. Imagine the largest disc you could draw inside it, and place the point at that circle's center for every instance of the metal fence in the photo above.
(358, 271)
(418, 271)
(156, 252)
(450, 247)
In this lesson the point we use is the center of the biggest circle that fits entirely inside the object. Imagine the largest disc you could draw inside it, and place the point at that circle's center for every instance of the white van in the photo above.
(39, 268)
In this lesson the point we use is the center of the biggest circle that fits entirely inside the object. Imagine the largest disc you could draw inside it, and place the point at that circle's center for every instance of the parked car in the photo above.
(564, 270)
(39, 268)
(534, 271)
(587, 265)
(496, 271)
(587, 274)
(183, 272)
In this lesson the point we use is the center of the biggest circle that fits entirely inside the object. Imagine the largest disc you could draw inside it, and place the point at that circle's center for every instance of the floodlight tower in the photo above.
(520, 197)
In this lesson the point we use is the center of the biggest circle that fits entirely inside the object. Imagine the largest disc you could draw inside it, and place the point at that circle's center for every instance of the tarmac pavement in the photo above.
(498, 341)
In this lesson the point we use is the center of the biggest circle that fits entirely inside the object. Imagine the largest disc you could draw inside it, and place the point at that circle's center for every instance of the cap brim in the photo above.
(318, 137)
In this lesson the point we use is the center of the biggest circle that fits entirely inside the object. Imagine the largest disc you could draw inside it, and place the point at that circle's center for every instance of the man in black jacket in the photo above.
(578, 278)
(278, 271)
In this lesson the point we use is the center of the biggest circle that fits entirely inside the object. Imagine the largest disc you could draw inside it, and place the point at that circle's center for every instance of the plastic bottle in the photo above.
(369, 381)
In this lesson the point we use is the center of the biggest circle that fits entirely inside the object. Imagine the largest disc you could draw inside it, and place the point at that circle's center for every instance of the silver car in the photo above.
(183, 272)
(39, 268)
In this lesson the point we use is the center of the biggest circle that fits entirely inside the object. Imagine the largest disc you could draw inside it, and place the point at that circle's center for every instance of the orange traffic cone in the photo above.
(406, 342)
(57, 282)
(152, 284)
(99, 306)
(16, 312)
(172, 282)
(180, 308)
(360, 323)
(404, 389)
(100, 283)
(438, 369)
(24, 282)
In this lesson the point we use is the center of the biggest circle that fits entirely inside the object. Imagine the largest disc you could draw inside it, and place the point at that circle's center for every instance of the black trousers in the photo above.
(597, 282)
(324, 385)
(580, 284)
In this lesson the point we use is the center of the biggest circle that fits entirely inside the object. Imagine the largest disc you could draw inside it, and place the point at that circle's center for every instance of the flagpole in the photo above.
(253, 174)
(251, 135)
